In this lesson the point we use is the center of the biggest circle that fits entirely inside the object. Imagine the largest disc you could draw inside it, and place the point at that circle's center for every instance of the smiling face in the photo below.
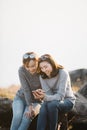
(32, 66)
(46, 68)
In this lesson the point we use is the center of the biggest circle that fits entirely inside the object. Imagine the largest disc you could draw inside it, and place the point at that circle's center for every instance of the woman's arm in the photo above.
(25, 85)
(59, 89)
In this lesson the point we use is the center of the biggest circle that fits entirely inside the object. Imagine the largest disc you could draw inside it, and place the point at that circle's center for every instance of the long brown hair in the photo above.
(54, 64)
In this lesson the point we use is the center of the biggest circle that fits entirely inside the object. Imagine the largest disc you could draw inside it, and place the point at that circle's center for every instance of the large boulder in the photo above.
(78, 77)
(78, 116)
(80, 109)
(5, 113)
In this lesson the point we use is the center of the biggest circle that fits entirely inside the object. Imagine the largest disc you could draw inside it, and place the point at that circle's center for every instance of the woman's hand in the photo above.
(31, 113)
(39, 94)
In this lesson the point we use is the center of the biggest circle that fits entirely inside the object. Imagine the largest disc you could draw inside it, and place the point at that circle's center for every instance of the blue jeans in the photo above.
(49, 113)
(19, 120)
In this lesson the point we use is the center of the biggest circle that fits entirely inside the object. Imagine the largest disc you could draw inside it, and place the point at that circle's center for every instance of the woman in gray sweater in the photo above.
(58, 95)
(25, 106)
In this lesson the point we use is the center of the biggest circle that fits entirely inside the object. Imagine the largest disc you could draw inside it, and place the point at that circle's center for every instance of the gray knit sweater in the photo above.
(28, 83)
(58, 87)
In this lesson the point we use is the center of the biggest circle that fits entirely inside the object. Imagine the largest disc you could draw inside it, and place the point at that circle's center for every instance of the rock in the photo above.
(79, 113)
(78, 77)
(5, 112)
(83, 90)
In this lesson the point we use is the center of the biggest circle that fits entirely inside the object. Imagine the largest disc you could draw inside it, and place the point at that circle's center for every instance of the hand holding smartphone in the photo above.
(38, 91)
(38, 94)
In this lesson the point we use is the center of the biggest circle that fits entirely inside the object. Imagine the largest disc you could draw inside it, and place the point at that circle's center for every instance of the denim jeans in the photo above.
(49, 113)
(19, 120)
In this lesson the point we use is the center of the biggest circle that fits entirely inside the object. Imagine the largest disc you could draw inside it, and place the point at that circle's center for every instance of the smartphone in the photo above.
(38, 91)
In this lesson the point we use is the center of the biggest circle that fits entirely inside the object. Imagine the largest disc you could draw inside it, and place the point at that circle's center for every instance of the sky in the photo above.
(57, 27)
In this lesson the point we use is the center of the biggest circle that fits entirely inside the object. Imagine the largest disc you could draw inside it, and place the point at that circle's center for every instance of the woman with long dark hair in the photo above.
(57, 95)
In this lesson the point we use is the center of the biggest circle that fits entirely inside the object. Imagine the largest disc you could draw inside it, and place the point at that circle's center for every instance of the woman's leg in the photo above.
(65, 106)
(54, 107)
(42, 117)
(26, 120)
(52, 114)
(18, 110)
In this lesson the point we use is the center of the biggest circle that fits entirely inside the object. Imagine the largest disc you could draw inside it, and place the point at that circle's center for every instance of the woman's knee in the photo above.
(52, 103)
(52, 106)
(43, 108)
(17, 117)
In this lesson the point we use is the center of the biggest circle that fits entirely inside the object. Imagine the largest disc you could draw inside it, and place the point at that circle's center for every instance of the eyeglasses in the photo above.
(31, 56)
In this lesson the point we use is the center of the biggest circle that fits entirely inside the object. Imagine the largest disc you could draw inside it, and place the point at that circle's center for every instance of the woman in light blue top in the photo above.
(57, 95)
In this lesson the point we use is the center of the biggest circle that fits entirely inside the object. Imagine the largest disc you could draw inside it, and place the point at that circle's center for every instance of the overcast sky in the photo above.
(58, 27)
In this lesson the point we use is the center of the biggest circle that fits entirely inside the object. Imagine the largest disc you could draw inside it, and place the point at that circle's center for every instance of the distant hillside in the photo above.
(9, 92)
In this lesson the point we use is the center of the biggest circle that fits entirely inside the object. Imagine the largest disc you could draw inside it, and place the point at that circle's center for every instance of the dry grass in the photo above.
(9, 92)
(75, 88)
